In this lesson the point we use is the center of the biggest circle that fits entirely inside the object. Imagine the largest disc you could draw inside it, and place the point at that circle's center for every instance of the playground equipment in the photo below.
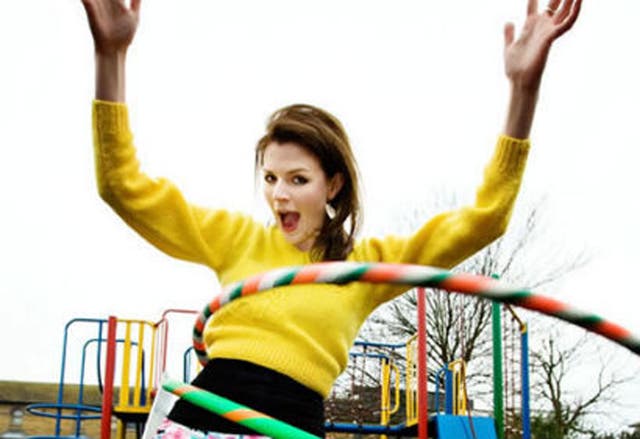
(130, 356)
(372, 385)
(364, 389)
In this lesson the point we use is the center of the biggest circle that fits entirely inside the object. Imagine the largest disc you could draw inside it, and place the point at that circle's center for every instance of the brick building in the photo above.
(16, 422)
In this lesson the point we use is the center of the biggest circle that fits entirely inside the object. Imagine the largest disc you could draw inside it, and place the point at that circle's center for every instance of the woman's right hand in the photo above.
(113, 24)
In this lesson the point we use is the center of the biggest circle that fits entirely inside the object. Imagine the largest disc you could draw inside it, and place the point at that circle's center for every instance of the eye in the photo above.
(300, 180)
(269, 178)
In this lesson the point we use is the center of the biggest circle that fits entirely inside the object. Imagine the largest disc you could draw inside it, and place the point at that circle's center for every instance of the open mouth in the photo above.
(289, 221)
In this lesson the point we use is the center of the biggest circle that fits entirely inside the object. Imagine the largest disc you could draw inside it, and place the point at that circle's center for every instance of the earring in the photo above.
(330, 210)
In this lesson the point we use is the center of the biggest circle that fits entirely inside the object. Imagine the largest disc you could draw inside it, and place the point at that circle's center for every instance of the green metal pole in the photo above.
(498, 406)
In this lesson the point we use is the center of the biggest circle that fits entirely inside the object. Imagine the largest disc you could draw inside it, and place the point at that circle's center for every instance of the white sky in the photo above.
(418, 84)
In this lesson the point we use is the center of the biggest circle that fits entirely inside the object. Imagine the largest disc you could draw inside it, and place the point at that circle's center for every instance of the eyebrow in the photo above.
(292, 171)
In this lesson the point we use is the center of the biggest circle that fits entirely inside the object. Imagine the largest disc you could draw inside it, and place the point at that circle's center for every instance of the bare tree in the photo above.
(556, 359)
(458, 325)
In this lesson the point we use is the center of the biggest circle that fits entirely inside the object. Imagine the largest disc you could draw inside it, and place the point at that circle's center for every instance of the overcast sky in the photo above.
(418, 84)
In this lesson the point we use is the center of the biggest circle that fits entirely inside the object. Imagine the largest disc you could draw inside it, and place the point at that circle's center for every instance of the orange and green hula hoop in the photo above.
(412, 276)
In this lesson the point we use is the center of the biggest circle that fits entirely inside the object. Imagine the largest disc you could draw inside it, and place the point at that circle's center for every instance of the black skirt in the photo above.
(257, 387)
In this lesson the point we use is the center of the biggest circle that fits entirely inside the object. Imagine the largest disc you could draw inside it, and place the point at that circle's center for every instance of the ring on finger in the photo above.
(550, 10)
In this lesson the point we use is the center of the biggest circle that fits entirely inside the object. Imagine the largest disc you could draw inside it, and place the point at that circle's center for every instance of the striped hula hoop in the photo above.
(412, 276)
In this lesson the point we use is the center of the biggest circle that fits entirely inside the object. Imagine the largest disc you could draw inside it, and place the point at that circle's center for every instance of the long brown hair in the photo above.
(322, 135)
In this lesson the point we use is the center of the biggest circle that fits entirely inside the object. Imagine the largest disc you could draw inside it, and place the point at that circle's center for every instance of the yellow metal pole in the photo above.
(138, 386)
(120, 429)
(457, 368)
(126, 361)
(410, 387)
(152, 382)
(385, 395)
(396, 406)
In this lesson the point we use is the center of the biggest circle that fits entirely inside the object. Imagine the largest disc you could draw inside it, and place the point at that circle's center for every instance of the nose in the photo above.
(280, 191)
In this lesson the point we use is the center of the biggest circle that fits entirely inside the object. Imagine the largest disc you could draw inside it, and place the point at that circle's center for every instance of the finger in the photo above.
(553, 6)
(564, 11)
(135, 5)
(89, 7)
(509, 33)
(119, 5)
(571, 18)
(532, 7)
(93, 9)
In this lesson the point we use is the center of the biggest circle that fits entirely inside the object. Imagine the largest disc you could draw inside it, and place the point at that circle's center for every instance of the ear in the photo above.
(335, 184)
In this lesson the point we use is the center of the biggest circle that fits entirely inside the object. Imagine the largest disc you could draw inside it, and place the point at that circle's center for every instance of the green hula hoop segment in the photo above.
(400, 274)
(233, 411)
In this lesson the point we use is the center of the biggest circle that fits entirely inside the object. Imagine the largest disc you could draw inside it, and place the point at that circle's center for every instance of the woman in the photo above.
(280, 352)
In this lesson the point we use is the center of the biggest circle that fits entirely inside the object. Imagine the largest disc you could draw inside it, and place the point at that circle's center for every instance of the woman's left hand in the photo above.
(525, 57)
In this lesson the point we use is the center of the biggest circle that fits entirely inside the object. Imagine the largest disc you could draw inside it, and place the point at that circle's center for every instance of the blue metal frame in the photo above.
(60, 399)
(448, 391)
(526, 409)
(39, 409)
(344, 427)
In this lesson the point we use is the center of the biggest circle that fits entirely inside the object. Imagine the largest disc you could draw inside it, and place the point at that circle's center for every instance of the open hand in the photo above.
(113, 24)
(525, 57)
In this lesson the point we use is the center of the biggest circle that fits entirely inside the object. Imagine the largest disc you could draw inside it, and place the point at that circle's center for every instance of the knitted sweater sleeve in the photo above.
(155, 208)
(451, 237)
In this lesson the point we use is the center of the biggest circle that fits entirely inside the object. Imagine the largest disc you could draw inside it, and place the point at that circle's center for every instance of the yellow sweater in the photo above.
(302, 331)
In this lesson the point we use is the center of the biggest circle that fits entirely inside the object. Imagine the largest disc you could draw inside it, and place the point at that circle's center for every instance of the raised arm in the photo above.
(525, 58)
(449, 238)
(153, 207)
(113, 25)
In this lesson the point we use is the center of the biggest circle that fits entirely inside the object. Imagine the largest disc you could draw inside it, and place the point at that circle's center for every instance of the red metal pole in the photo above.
(107, 397)
(423, 395)
(164, 335)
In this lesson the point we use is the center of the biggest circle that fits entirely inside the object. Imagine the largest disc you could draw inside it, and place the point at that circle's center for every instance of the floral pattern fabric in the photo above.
(172, 430)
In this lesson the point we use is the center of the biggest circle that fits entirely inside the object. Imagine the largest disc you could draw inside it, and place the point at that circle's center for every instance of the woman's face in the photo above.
(297, 189)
